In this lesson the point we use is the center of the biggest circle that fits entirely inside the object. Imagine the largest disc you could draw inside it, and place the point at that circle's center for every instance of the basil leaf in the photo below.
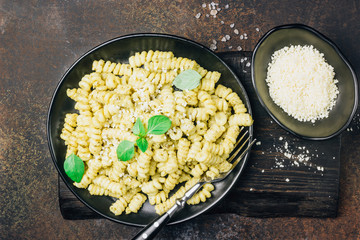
(187, 80)
(125, 151)
(139, 129)
(74, 167)
(158, 124)
(142, 144)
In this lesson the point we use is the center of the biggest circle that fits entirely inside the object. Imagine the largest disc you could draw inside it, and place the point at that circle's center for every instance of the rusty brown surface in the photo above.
(39, 40)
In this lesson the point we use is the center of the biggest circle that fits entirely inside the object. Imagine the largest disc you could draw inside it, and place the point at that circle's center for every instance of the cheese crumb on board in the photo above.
(302, 83)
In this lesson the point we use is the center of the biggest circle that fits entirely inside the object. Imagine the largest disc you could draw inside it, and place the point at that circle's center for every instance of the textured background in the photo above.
(39, 40)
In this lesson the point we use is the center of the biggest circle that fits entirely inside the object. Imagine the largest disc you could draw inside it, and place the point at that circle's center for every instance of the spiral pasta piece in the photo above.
(143, 166)
(183, 150)
(119, 206)
(214, 133)
(138, 59)
(123, 70)
(202, 195)
(116, 171)
(171, 165)
(198, 170)
(97, 190)
(209, 81)
(135, 203)
(171, 181)
(102, 66)
(158, 198)
(105, 182)
(152, 187)
(194, 149)
(70, 123)
(241, 119)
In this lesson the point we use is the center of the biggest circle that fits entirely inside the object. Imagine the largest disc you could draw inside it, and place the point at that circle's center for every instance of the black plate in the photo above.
(346, 104)
(119, 50)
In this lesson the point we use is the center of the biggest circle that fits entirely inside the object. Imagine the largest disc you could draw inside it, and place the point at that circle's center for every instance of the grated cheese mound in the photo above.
(302, 83)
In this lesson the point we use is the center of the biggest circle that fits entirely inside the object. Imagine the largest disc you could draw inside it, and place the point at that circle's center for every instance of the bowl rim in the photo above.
(135, 35)
(337, 50)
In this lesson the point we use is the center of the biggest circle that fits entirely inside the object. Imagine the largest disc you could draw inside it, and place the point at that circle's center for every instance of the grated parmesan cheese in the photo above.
(302, 83)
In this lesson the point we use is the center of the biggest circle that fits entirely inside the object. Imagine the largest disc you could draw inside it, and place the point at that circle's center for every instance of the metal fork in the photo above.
(150, 231)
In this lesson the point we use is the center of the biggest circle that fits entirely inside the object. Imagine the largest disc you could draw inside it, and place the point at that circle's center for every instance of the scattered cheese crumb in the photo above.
(213, 47)
(319, 168)
(213, 12)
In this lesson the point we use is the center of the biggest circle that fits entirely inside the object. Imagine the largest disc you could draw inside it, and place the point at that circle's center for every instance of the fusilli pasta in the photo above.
(206, 122)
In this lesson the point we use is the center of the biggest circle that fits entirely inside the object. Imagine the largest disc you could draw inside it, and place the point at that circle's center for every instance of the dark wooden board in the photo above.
(285, 175)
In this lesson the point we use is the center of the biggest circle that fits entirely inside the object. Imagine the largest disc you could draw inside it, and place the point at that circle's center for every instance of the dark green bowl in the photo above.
(119, 50)
(341, 114)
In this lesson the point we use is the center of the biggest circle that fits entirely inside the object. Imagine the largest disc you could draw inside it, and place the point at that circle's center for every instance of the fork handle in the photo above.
(150, 231)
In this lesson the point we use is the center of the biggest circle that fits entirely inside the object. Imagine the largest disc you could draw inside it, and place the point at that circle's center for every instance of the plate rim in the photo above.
(135, 35)
(337, 50)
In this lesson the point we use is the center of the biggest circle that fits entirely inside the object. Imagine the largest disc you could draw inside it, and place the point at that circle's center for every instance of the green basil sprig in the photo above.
(125, 150)
(139, 128)
(157, 125)
(74, 167)
(187, 80)
(142, 144)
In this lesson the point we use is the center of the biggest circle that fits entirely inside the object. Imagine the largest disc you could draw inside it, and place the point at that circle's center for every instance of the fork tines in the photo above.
(239, 146)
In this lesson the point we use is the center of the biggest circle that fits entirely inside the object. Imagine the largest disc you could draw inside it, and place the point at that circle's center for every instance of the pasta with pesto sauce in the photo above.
(206, 122)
